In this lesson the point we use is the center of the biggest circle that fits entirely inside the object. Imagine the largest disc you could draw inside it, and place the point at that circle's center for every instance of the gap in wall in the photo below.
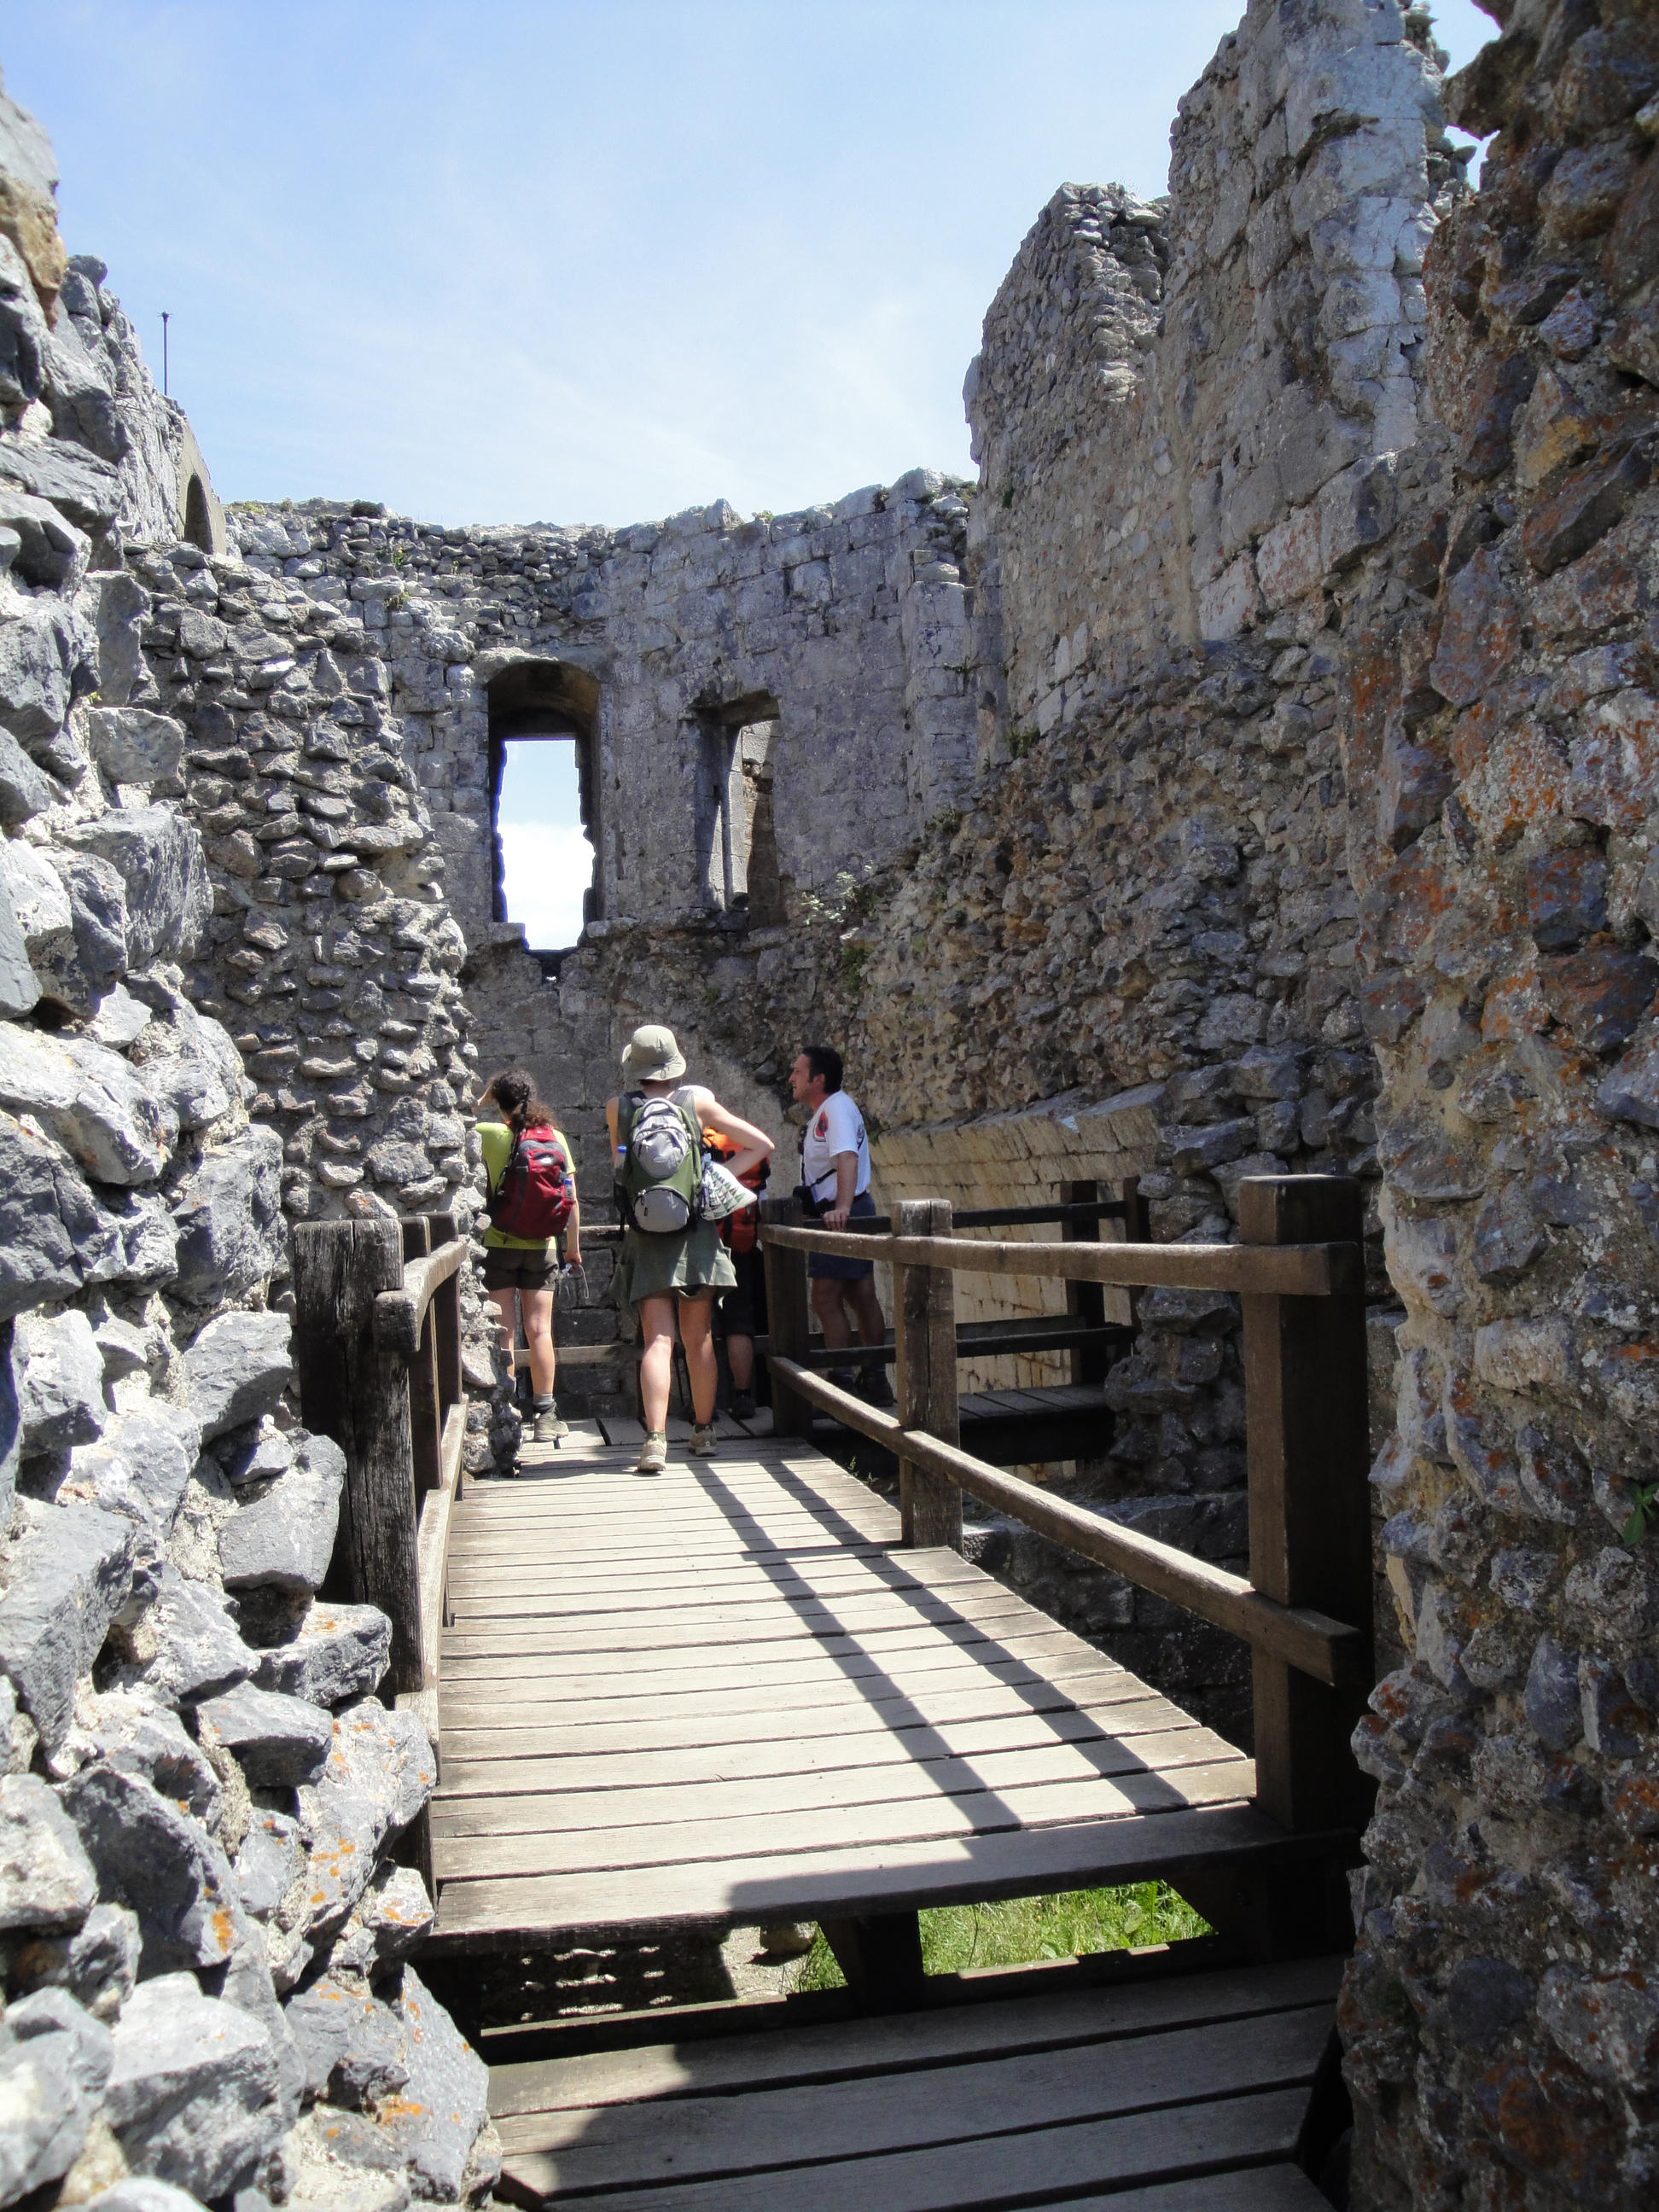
(547, 860)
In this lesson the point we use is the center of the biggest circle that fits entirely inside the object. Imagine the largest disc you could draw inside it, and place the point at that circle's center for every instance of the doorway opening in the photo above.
(198, 525)
(541, 802)
(738, 832)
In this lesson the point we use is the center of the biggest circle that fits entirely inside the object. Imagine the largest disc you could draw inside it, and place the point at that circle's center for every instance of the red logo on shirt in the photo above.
(822, 1129)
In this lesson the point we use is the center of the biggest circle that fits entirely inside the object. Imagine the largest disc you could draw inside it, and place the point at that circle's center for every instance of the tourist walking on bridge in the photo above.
(672, 1261)
(532, 1202)
(835, 1179)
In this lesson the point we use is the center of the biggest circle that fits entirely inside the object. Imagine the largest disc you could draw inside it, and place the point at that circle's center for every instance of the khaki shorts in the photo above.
(527, 1267)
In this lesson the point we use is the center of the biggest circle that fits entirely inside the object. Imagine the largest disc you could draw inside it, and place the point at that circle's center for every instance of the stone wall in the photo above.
(202, 1935)
(1501, 2031)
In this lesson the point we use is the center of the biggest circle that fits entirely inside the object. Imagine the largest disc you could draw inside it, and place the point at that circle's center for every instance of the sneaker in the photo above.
(787, 1940)
(874, 1388)
(653, 1455)
(703, 1440)
(549, 1426)
(743, 1406)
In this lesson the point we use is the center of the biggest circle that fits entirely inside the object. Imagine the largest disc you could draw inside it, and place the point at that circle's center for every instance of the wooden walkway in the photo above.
(723, 1697)
(1190, 2093)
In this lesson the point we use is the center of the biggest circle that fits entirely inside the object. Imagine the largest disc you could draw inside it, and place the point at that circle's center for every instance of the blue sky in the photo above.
(511, 262)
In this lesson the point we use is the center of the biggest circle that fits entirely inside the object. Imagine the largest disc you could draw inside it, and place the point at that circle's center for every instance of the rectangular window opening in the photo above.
(547, 861)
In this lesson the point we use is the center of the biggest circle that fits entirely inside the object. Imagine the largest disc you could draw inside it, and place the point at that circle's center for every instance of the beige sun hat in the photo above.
(651, 1055)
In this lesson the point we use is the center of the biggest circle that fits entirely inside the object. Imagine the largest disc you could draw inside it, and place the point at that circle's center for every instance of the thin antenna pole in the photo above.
(164, 353)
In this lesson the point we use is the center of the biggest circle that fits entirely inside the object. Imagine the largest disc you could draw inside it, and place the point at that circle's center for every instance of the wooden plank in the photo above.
(868, 1827)
(840, 1568)
(926, 1378)
(431, 1551)
(560, 1810)
(1306, 1392)
(864, 1749)
(814, 1885)
(1159, 2145)
(507, 1642)
(1289, 1270)
(991, 2097)
(910, 2041)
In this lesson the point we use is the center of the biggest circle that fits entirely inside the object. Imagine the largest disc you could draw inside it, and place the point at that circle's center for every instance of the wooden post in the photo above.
(426, 1419)
(1310, 1538)
(925, 1330)
(1084, 1302)
(353, 1392)
(447, 1304)
(880, 1954)
(786, 1316)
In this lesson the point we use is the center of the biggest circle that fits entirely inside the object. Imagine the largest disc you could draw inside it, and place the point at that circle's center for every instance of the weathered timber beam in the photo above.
(1311, 1641)
(399, 1315)
(1299, 1271)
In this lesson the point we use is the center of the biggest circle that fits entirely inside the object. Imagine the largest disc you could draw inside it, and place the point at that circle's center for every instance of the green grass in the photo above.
(1067, 1926)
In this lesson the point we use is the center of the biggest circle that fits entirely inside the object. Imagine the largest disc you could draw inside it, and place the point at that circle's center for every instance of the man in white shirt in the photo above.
(834, 1170)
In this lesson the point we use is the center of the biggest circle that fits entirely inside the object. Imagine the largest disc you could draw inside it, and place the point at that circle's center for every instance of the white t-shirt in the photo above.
(837, 1126)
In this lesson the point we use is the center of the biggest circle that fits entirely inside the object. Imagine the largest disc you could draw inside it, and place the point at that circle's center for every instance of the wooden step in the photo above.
(1182, 2095)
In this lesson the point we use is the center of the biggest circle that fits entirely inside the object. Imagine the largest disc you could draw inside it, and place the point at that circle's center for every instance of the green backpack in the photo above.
(659, 1190)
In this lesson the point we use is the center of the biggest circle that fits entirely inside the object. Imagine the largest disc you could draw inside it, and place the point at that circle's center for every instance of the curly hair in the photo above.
(514, 1091)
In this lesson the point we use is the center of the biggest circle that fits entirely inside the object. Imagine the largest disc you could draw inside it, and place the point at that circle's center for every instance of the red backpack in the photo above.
(537, 1194)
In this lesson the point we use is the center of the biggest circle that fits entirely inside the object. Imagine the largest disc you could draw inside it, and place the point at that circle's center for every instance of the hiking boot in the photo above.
(874, 1388)
(549, 1426)
(743, 1406)
(654, 1453)
(843, 1377)
(702, 1445)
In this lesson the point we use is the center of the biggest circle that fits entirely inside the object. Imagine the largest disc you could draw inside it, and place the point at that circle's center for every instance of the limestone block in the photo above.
(190, 1062)
(379, 1775)
(25, 791)
(199, 1651)
(1231, 603)
(337, 1652)
(71, 1570)
(286, 1539)
(158, 856)
(350, 2044)
(90, 1099)
(228, 1220)
(278, 1741)
(54, 2063)
(239, 1367)
(46, 1880)
(123, 604)
(132, 746)
(48, 1222)
(51, 551)
(272, 1859)
(152, 1857)
(61, 1394)
(193, 2092)
(81, 972)
(97, 1963)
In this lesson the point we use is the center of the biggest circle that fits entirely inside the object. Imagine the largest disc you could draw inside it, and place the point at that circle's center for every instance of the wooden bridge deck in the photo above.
(726, 1696)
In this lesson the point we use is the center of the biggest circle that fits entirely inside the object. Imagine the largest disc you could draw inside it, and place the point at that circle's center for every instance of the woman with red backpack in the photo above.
(532, 1202)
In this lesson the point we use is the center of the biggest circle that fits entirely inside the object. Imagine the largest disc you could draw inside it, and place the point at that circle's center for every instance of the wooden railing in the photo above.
(377, 1337)
(1305, 1608)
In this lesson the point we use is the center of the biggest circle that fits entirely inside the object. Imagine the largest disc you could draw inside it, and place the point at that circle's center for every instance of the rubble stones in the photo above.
(379, 1775)
(277, 1741)
(98, 1964)
(133, 745)
(337, 1652)
(47, 1881)
(229, 1220)
(159, 859)
(192, 2093)
(239, 1367)
(91, 1101)
(437, 2117)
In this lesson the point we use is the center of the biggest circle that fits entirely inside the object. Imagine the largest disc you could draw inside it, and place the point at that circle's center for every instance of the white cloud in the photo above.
(546, 870)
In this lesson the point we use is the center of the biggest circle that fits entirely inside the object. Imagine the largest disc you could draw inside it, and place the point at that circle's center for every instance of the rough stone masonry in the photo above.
(1253, 769)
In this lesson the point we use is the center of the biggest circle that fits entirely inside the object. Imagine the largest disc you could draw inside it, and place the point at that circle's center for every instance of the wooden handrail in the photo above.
(1297, 1271)
(400, 1314)
(1308, 1640)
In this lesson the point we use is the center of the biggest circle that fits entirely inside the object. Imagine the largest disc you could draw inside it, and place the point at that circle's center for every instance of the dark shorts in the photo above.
(534, 1267)
(742, 1311)
(829, 1267)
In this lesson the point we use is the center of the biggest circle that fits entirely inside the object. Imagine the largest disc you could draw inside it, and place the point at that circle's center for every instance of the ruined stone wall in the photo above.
(1501, 2025)
(202, 1933)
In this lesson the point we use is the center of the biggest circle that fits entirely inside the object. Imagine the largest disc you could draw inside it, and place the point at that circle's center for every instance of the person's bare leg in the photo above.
(657, 1321)
(831, 1312)
(505, 1303)
(539, 1335)
(873, 1323)
(696, 1335)
(740, 1355)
